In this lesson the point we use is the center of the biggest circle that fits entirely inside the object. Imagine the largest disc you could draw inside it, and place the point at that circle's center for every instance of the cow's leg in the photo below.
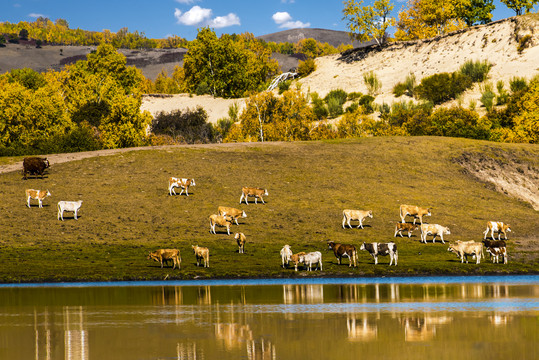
(256, 200)
(485, 234)
(262, 199)
(236, 221)
(28, 201)
(409, 234)
(343, 221)
(40, 201)
(375, 259)
(433, 238)
(396, 231)
(360, 223)
(320, 262)
(442, 237)
(228, 230)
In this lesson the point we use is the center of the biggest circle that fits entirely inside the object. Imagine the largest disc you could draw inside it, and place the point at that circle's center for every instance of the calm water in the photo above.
(411, 318)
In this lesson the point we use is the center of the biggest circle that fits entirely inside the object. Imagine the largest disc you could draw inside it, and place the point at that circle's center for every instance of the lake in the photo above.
(383, 318)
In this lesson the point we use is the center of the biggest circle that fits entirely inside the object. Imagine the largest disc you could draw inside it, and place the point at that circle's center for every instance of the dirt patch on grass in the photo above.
(507, 171)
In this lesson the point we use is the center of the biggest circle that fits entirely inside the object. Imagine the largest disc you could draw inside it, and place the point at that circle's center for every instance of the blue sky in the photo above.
(161, 18)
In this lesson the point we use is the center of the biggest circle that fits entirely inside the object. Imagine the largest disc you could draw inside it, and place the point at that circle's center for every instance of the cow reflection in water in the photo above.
(359, 328)
(498, 319)
(189, 351)
(233, 335)
(423, 328)
(303, 294)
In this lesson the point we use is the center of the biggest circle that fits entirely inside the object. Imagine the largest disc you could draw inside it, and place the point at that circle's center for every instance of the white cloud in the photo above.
(198, 16)
(288, 1)
(285, 21)
(225, 21)
(195, 16)
(281, 17)
(185, 1)
(34, 15)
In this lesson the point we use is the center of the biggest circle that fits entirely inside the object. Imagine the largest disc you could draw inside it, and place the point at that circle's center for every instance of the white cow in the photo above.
(181, 183)
(286, 255)
(311, 258)
(73, 206)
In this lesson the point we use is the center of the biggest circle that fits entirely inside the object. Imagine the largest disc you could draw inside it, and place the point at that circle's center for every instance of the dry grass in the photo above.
(127, 211)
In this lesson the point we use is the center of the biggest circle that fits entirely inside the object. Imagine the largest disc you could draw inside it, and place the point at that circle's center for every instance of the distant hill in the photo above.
(332, 37)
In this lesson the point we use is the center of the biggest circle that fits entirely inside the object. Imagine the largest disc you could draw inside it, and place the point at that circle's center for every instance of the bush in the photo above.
(517, 84)
(184, 127)
(523, 43)
(353, 96)
(306, 67)
(367, 102)
(503, 95)
(202, 88)
(372, 83)
(457, 122)
(319, 107)
(439, 88)
(334, 107)
(338, 94)
(399, 89)
(284, 85)
(476, 70)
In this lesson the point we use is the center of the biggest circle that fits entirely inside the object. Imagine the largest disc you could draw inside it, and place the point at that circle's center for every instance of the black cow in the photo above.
(34, 166)
(383, 249)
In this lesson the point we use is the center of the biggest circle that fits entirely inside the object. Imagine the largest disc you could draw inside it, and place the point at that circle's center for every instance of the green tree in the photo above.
(23, 34)
(229, 66)
(368, 22)
(520, 7)
(476, 12)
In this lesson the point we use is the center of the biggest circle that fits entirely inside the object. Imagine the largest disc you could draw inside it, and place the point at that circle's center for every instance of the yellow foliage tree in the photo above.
(427, 18)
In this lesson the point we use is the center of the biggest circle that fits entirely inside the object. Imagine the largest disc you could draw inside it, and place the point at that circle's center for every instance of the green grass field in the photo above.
(127, 211)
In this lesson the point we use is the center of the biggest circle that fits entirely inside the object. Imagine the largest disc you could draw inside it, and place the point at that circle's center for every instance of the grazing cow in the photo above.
(494, 244)
(220, 220)
(34, 166)
(286, 255)
(496, 252)
(311, 258)
(233, 212)
(202, 253)
(257, 193)
(383, 249)
(409, 228)
(358, 215)
(241, 240)
(297, 258)
(434, 230)
(181, 183)
(463, 249)
(415, 211)
(497, 226)
(38, 195)
(73, 206)
(341, 250)
(162, 255)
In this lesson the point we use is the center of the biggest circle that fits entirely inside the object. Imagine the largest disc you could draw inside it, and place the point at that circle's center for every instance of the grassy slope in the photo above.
(127, 210)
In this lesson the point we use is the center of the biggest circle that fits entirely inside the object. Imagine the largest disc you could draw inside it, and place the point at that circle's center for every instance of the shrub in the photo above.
(410, 83)
(476, 70)
(517, 84)
(306, 67)
(319, 107)
(372, 83)
(223, 127)
(352, 107)
(189, 126)
(338, 94)
(487, 96)
(503, 95)
(284, 85)
(334, 107)
(202, 88)
(523, 43)
(399, 89)
(457, 122)
(354, 96)
(439, 88)
(367, 102)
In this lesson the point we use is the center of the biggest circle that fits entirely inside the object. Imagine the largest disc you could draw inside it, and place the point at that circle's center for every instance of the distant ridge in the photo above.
(332, 37)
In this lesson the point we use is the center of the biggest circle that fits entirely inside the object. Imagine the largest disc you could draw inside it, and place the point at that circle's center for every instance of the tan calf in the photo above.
(202, 253)
(357, 215)
(241, 240)
(233, 212)
(162, 255)
(38, 195)
(297, 258)
(497, 226)
(257, 193)
(415, 211)
(220, 220)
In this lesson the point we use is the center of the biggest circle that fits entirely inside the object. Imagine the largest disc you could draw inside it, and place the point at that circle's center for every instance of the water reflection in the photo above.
(268, 322)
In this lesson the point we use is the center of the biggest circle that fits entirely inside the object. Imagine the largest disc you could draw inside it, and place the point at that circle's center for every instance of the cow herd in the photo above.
(226, 216)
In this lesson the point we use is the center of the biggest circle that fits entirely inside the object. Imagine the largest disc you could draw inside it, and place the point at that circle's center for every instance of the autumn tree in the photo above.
(428, 18)
(368, 22)
(520, 7)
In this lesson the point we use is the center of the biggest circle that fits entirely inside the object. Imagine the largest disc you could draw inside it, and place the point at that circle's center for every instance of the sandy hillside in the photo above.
(496, 42)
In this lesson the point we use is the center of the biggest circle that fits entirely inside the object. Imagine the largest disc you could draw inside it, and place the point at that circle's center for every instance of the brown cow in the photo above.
(409, 228)
(220, 220)
(241, 240)
(341, 250)
(34, 166)
(163, 255)
(38, 195)
(233, 212)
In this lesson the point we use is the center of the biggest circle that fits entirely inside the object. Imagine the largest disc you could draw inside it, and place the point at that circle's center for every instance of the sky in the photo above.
(162, 18)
